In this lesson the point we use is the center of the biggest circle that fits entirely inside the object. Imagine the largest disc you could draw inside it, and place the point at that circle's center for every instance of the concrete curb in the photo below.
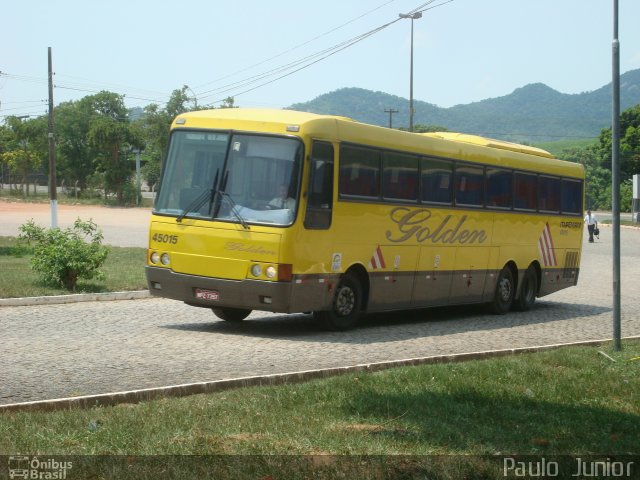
(83, 297)
(135, 396)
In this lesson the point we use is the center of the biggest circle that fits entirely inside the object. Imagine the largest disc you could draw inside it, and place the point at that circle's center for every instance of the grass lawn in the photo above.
(572, 400)
(124, 270)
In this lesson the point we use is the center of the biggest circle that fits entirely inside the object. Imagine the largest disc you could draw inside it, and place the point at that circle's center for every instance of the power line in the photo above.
(154, 100)
(24, 101)
(88, 83)
(27, 113)
(19, 108)
(302, 64)
(86, 88)
(70, 86)
(296, 47)
(282, 71)
(321, 55)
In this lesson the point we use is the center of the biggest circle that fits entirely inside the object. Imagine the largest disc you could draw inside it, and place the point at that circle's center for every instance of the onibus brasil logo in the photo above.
(40, 469)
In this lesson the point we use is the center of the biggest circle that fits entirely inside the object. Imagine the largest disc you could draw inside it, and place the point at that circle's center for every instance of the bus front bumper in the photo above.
(217, 292)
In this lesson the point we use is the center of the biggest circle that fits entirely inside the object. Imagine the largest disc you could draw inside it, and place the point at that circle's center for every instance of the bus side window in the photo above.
(469, 185)
(436, 180)
(359, 172)
(399, 176)
(571, 197)
(525, 191)
(549, 194)
(320, 196)
(499, 188)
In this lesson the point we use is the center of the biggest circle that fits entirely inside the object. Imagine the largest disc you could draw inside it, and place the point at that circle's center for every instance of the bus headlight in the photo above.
(155, 257)
(164, 259)
(256, 270)
(271, 271)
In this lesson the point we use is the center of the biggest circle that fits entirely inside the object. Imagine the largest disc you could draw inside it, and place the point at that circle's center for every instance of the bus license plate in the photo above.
(207, 294)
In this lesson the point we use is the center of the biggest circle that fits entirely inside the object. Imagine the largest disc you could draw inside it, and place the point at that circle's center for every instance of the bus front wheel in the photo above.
(505, 289)
(345, 308)
(231, 314)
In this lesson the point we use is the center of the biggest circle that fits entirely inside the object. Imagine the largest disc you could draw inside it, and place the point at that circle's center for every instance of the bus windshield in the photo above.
(239, 178)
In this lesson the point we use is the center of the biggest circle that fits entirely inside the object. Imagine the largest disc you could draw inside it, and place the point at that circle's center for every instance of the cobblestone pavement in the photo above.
(90, 348)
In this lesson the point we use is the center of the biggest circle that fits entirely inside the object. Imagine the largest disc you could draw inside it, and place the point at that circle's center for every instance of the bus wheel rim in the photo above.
(345, 301)
(505, 289)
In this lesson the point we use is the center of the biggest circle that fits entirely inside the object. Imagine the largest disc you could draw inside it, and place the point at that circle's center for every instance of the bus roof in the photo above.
(489, 142)
(265, 115)
(459, 146)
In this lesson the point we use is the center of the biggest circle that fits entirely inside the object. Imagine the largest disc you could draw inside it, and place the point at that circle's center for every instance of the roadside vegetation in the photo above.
(99, 141)
(15, 195)
(596, 159)
(123, 271)
(573, 400)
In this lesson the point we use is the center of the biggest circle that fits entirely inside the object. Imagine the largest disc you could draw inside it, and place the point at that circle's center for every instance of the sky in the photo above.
(464, 50)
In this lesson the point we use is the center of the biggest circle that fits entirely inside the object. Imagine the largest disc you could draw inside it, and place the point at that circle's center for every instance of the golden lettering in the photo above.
(417, 224)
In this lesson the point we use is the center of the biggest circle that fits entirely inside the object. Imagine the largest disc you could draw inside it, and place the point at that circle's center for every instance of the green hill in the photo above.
(534, 113)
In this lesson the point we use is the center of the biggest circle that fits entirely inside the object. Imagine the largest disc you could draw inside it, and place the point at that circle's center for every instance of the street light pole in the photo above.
(412, 16)
(53, 182)
(615, 180)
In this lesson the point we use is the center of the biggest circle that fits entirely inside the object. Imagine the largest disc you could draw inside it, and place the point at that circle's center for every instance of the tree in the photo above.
(420, 128)
(229, 102)
(109, 133)
(153, 129)
(75, 154)
(629, 144)
(24, 150)
(597, 162)
(177, 103)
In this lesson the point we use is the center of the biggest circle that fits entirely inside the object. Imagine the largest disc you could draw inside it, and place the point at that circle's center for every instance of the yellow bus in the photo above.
(285, 211)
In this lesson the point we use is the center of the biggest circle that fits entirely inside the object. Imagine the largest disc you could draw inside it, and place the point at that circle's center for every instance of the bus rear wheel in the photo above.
(528, 290)
(505, 289)
(345, 308)
(231, 314)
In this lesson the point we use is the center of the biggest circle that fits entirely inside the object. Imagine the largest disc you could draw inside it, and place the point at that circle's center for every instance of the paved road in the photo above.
(606, 216)
(122, 227)
(90, 348)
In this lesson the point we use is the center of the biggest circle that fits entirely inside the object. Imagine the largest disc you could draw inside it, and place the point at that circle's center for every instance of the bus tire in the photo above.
(528, 290)
(505, 289)
(345, 308)
(231, 314)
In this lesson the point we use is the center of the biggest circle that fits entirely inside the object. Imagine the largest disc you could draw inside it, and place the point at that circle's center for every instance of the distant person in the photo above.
(282, 199)
(592, 223)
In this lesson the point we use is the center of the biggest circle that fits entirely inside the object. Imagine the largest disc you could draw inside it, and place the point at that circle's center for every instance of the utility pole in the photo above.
(390, 111)
(615, 180)
(53, 184)
(138, 177)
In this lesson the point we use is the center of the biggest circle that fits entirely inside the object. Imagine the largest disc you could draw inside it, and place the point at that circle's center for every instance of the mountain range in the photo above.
(533, 113)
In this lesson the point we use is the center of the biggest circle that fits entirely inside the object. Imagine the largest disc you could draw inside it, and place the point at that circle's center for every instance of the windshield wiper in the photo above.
(233, 205)
(200, 200)
(220, 193)
(196, 204)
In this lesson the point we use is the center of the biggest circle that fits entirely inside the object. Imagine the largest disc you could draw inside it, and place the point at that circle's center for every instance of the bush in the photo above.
(61, 257)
